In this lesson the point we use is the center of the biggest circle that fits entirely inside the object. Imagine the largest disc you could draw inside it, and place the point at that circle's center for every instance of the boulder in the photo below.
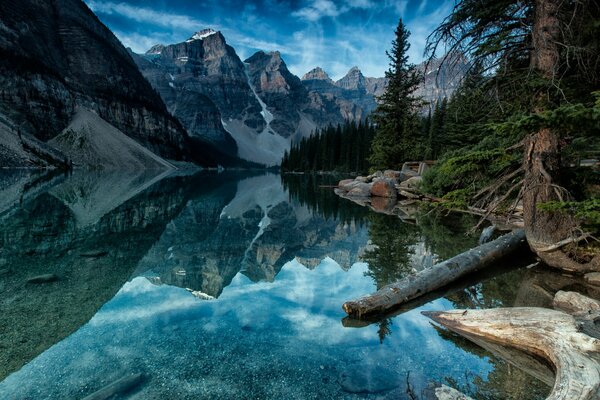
(363, 179)
(360, 189)
(376, 174)
(411, 183)
(384, 188)
(392, 174)
(343, 184)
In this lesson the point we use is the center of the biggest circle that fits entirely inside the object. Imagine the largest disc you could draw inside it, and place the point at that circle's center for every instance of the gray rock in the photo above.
(392, 174)
(362, 179)
(411, 183)
(367, 379)
(360, 189)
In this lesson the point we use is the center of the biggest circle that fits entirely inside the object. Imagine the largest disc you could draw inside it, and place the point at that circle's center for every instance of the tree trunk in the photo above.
(436, 277)
(541, 160)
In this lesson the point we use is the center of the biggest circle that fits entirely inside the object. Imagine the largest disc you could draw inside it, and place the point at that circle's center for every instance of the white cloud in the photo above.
(318, 9)
(149, 16)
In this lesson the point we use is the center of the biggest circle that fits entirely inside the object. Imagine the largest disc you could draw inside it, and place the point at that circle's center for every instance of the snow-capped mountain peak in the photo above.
(204, 33)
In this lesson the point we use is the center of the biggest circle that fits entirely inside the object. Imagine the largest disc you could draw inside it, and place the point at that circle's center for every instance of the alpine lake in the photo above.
(229, 286)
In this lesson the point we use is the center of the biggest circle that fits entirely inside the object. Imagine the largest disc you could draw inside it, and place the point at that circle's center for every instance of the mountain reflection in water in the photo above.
(132, 257)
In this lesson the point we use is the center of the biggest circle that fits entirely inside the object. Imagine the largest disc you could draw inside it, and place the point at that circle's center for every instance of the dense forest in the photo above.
(344, 148)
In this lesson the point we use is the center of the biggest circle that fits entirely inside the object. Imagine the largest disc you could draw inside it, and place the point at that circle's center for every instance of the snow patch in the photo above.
(201, 34)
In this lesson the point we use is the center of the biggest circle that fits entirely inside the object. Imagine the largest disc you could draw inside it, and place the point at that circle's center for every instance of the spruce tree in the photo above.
(395, 140)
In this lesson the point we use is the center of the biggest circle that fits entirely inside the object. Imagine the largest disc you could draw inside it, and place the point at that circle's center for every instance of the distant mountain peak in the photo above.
(316, 73)
(354, 79)
(203, 34)
(156, 49)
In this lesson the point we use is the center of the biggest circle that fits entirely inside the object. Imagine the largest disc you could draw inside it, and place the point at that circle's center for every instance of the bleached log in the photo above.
(436, 277)
(550, 334)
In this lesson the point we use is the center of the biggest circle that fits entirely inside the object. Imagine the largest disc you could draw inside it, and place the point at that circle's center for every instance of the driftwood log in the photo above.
(436, 277)
(117, 388)
(569, 342)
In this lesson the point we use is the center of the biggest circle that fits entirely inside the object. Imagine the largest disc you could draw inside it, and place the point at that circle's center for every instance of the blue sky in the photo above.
(332, 34)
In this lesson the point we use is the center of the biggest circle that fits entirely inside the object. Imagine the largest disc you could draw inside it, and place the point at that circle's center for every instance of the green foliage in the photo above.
(343, 149)
(586, 211)
(396, 138)
(467, 170)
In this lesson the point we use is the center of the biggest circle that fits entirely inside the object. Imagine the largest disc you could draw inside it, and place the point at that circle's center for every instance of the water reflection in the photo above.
(279, 257)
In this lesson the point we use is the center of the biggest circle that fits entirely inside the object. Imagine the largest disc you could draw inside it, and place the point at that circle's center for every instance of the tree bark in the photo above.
(542, 161)
(436, 277)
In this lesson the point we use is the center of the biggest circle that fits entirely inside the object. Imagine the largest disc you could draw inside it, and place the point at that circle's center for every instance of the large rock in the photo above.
(383, 188)
(391, 174)
(360, 189)
(411, 183)
(345, 184)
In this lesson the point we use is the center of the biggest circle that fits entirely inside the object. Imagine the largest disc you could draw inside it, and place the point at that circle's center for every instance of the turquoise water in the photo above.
(226, 286)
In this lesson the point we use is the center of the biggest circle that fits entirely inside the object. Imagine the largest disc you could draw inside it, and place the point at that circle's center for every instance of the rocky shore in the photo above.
(389, 191)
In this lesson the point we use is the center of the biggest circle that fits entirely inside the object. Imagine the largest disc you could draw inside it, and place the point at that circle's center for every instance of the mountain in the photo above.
(55, 57)
(441, 79)
(253, 109)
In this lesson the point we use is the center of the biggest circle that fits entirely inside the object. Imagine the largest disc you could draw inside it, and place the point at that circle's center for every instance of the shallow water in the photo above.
(227, 286)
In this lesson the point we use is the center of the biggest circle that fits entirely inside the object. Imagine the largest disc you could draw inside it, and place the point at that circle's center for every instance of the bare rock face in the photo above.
(57, 56)
(441, 79)
(279, 89)
(202, 81)
(317, 74)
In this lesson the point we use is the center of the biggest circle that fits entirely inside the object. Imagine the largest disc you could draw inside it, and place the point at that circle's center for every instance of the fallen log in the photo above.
(118, 387)
(549, 334)
(436, 277)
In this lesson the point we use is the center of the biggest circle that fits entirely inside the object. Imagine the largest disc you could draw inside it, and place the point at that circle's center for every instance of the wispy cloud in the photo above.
(318, 9)
(148, 15)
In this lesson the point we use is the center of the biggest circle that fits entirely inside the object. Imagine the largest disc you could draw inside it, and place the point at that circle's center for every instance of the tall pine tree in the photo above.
(395, 140)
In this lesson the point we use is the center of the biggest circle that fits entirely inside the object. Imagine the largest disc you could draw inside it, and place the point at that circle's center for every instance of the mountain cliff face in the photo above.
(254, 109)
(441, 79)
(203, 81)
(56, 56)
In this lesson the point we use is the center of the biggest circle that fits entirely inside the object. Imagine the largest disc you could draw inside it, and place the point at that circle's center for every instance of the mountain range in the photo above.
(195, 102)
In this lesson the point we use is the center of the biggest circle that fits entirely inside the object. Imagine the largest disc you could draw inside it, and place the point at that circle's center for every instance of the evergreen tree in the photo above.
(437, 130)
(342, 148)
(395, 116)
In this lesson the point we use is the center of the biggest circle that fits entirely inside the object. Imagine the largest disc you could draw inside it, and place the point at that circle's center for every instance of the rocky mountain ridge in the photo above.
(79, 63)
